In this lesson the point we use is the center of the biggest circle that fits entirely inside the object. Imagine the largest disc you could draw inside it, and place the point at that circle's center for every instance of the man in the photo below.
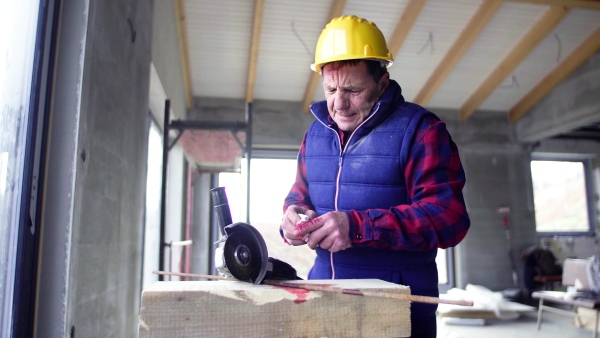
(379, 178)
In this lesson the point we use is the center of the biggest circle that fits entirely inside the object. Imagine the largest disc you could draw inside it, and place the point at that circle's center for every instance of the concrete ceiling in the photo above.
(463, 55)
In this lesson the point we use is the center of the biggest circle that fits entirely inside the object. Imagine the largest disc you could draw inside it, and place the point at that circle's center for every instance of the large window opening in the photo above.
(18, 28)
(561, 197)
(271, 180)
(152, 243)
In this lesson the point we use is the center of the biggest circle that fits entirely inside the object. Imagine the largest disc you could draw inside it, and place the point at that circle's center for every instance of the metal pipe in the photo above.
(173, 244)
(163, 196)
(249, 111)
(209, 125)
(186, 252)
(181, 243)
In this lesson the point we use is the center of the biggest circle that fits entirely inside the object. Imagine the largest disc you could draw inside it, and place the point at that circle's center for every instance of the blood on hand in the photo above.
(302, 223)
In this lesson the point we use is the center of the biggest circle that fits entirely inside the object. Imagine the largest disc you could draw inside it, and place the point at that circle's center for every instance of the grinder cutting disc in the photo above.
(245, 253)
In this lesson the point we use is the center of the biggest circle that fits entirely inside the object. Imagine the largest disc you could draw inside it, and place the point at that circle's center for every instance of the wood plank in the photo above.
(585, 4)
(478, 22)
(184, 53)
(566, 67)
(534, 36)
(405, 24)
(311, 88)
(232, 308)
(259, 6)
(336, 10)
(587, 318)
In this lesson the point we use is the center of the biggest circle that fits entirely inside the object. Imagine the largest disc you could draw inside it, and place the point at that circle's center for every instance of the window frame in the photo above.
(588, 182)
(38, 31)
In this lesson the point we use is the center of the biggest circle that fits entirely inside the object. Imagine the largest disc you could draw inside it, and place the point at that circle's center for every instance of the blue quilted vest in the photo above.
(369, 173)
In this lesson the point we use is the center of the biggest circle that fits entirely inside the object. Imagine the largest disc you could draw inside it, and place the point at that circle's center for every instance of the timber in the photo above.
(235, 309)
(318, 287)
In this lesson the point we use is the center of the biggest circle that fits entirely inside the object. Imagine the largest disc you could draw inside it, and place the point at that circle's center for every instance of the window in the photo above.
(18, 21)
(271, 180)
(153, 200)
(561, 196)
(270, 184)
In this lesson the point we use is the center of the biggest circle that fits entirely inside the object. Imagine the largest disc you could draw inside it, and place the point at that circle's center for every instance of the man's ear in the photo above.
(383, 83)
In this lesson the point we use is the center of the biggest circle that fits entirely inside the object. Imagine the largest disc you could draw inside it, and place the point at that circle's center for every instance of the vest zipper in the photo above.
(342, 151)
(337, 180)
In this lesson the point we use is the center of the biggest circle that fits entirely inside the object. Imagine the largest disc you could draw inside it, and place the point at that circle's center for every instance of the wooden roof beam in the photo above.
(259, 6)
(566, 67)
(184, 53)
(534, 36)
(407, 20)
(478, 22)
(336, 10)
(586, 4)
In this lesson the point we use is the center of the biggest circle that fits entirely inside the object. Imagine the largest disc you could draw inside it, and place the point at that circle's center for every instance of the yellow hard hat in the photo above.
(348, 38)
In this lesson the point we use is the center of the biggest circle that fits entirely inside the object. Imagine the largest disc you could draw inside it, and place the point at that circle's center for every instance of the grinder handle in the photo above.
(221, 207)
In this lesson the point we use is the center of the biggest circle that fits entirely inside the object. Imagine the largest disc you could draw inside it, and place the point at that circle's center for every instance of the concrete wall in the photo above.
(275, 125)
(573, 103)
(203, 247)
(497, 170)
(109, 190)
(90, 281)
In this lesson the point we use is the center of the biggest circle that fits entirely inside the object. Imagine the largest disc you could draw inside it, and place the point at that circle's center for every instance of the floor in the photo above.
(553, 326)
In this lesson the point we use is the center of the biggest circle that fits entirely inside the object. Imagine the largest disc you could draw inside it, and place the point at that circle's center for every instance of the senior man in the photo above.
(379, 178)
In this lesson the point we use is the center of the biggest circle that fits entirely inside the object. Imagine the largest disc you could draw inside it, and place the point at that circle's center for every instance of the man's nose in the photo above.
(341, 99)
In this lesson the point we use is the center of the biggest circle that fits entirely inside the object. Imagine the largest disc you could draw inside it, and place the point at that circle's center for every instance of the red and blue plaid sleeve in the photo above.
(298, 194)
(437, 216)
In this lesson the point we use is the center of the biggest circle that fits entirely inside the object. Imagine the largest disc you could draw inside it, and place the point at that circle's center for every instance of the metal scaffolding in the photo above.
(181, 126)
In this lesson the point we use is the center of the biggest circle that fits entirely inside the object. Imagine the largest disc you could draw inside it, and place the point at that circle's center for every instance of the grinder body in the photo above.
(244, 254)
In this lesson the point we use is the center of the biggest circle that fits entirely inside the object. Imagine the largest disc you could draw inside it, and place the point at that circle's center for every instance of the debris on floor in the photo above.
(486, 305)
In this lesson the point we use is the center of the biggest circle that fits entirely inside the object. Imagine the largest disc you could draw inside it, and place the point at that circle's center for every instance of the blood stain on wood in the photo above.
(301, 294)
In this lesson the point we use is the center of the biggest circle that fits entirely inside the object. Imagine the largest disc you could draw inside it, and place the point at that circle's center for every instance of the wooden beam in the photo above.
(259, 6)
(478, 22)
(534, 36)
(585, 4)
(322, 288)
(405, 24)
(309, 93)
(568, 65)
(184, 53)
(236, 309)
(335, 11)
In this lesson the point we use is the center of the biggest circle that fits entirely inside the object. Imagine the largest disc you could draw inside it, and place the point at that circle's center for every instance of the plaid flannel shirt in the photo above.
(434, 179)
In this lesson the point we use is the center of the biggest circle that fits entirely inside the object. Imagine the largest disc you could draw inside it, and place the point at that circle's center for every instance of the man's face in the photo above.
(351, 93)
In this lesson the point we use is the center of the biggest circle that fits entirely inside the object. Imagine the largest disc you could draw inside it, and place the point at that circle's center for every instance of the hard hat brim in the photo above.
(318, 67)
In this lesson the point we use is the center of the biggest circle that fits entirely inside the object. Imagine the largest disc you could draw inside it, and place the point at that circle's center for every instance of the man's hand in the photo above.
(290, 220)
(329, 231)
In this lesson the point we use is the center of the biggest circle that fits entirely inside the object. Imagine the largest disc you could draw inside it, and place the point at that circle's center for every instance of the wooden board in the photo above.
(238, 309)
(486, 305)
(587, 318)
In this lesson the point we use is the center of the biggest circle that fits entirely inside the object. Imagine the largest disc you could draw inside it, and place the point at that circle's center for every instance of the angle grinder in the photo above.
(244, 254)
